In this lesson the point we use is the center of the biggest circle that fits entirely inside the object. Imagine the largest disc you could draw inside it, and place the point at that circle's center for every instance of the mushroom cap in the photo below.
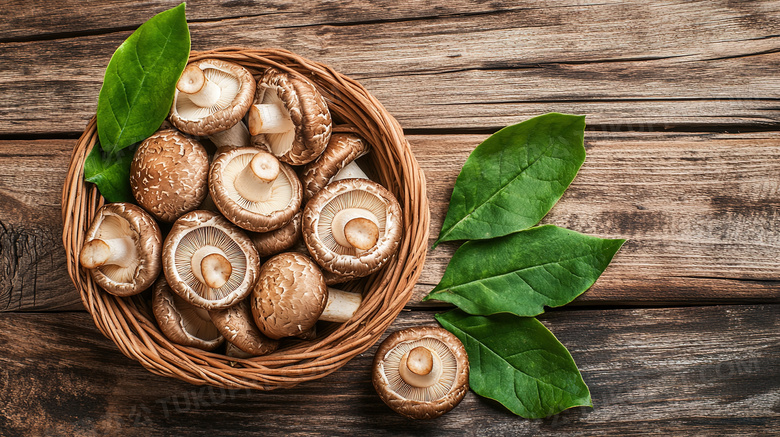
(169, 174)
(342, 149)
(261, 216)
(238, 89)
(335, 278)
(308, 112)
(238, 327)
(351, 193)
(198, 229)
(125, 219)
(182, 322)
(279, 240)
(289, 296)
(414, 402)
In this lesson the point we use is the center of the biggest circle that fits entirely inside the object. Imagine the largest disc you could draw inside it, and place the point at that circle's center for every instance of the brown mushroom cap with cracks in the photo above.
(253, 189)
(291, 295)
(208, 261)
(289, 117)
(352, 227)
(336, 162)
(211, 98)
(122, 249)
(238, 327)
(169, 174)
(181, 322)
(279, 240)
(421, 372)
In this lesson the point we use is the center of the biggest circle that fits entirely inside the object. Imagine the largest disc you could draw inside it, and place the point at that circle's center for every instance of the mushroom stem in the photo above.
(201, 91)
(120, 251)
(216, 270)
(355, 228)
(236, 136)
(350, 171)
(268, 118)
(341, 306)
(255, 181)
(211, 266)
(420, 367)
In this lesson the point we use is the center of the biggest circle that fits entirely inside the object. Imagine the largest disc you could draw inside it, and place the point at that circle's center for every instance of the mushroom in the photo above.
(336, 162)
(291, 295)
(208, 261)
(122, 249)
(169, 174)
(211, 98)
(253, 189)
(279, 240)
(181, 322)
(289, 117)
(352, 227)
(421, 372)
(238, 327)
(233, 351)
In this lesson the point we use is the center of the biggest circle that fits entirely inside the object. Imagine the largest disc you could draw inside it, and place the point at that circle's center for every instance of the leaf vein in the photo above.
(501, 188)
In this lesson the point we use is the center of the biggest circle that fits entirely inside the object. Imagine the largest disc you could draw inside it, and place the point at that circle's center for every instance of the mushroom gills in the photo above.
(350, 171)
(278, 192)
(196, 321)
(201, 91)
(430, 386)
(236, 136)
(215, 263)
(217, 91)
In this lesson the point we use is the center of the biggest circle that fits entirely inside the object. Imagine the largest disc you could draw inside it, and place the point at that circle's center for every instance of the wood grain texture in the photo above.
(700, 213)
(32, 259)
(630, 66)
(664, 370)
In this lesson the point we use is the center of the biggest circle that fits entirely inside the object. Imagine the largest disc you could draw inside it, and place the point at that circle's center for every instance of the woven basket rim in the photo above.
(128, 321)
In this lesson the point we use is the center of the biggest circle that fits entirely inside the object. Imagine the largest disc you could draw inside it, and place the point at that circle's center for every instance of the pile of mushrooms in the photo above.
(251, 252)
(264, 210)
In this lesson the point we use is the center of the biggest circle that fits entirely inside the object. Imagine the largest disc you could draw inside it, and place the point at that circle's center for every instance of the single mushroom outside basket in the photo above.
(130, 322)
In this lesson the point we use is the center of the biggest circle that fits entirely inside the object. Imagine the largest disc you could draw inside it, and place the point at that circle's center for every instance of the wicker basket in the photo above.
(129, 321)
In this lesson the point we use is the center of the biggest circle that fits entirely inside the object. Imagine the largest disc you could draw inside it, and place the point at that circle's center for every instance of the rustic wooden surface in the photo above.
(644, 368)
(680, 334)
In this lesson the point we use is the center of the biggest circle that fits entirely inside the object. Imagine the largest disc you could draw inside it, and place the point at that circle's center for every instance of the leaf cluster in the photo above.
(136, 96)
(511, 269)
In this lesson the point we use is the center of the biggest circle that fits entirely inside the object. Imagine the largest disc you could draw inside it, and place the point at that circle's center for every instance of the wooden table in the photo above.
(680, 334)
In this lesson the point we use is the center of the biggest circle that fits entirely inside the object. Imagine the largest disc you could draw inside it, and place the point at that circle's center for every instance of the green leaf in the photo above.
(523, 272)
(511, 180)
(111, 173)
(519, 363)
(140, 80)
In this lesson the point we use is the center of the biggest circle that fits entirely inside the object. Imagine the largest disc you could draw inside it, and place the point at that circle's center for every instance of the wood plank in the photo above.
(26, 20)
(714, 66)
(32, 259)
(700, 212)
(662, 369)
